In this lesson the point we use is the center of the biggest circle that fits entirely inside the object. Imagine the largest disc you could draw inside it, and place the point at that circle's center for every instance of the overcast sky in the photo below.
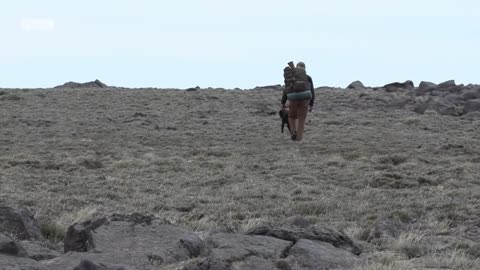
(244, 43)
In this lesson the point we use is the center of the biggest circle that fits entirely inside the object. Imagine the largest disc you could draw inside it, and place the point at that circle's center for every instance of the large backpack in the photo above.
(296, 79)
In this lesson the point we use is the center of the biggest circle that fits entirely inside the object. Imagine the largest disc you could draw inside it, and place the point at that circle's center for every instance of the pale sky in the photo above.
(247, 43)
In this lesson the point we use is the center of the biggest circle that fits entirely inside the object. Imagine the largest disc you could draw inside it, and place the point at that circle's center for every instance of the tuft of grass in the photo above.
(411, 245)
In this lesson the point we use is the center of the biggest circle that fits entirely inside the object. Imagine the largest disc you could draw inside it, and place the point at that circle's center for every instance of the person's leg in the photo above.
(292, 116)
(302, 115)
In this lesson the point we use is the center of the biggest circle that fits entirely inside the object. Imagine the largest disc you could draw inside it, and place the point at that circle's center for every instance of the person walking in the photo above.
(300, 93)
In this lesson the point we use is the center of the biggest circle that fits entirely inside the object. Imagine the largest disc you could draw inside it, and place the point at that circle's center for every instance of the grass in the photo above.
(216, 159)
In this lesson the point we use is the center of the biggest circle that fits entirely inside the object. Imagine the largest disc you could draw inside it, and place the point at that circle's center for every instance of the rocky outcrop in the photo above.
(75, 85)
(356, 85)
(19, 223)
(124, 242)
(397, 86)
(269, 87)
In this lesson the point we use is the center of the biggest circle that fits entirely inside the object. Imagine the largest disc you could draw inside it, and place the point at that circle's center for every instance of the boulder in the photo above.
(121, 242)
(420, 108)
(79, 236)
(392, 87)
(470, 94)
(269, 87)
(75, 85)
(8, 262)
(9, 247)
(356, 85)
(447, 84)
(472, 105)
(308, 254)
(444, 107)
(237, 247)
(19, 222)
(317, 233)
(426, 86)
(37, 251)
(89, 265)
(240, 252)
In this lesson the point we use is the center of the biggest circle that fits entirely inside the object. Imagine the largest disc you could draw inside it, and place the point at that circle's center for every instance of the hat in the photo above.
(301, 64)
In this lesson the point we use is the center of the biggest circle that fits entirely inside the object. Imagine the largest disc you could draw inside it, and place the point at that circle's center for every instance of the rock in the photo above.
(19, 223)
(472, 115)
(88, 265)
(472, 94)
(75, 85)
(36, 251)
(10, 247)
(392, 87)
(317, 233)
(472, 105)
(444, 107)
(254, 263)
(426, 86)
(79, 236)
(120, 242)
(454, 99)
(420, 108)
(385, 229)
(208, 264)
(193, 89)
(356, 85)
(8, 262)
(308, 254)
(237, 247)
(269, 87)
(447, 84)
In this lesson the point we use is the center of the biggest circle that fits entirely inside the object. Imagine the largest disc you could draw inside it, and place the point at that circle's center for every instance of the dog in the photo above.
(284, 116)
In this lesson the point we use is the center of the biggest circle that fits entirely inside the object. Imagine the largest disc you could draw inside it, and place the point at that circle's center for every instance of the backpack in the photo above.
(296, 79)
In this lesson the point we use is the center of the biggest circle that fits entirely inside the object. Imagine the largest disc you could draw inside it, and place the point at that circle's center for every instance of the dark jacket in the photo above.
(312, 88)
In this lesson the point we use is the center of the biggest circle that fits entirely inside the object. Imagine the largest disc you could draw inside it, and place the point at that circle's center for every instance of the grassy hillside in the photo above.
(216, 159)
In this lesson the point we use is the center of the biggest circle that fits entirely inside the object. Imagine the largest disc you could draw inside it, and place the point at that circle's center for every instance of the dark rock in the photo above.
(88, 265)
(447, 84)
(392, 87)
(75, 85)
(454, 99)
(254, 263)
(10, 247)
(19, 223)
(472, 105)
(472, 94)
(420, 108)
(356, 85)
(8, 262)
(426, 86)
(317, 233)
(385, 229)
(472, 115)
(79, 236)
(269, 87)
(308, 254)
(208, 264)
(237, 247)
(36, 251)
(444, 107)
(193, 89)
(120, 242)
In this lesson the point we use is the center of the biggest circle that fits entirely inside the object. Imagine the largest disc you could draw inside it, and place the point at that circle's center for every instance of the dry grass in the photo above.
(217, 159)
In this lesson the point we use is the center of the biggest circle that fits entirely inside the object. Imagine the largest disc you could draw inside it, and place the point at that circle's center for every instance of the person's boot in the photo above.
(293, 128)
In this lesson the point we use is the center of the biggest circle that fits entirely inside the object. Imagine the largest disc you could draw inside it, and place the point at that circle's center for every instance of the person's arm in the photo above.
(312, 88)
